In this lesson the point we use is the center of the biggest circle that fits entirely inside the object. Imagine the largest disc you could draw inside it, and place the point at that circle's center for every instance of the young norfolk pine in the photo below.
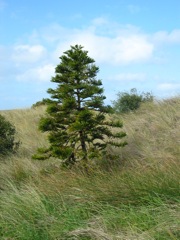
(76, 115)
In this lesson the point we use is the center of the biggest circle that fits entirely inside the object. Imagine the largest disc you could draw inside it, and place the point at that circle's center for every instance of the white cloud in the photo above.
(138, 77)
(27, 53)
(122, 45)
(133, 48)
(99, 21)
(112, 43)
(169, 86)
(43, 73)
(112, 50)
(107, 42)
(165, 37)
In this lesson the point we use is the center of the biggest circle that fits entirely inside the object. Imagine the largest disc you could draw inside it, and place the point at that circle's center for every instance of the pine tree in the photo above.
(76, 114)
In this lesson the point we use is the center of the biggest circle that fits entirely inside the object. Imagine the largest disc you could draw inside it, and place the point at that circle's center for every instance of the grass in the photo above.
(132, 197)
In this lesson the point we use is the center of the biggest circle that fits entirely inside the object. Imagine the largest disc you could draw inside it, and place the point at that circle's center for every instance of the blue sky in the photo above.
(135, 43)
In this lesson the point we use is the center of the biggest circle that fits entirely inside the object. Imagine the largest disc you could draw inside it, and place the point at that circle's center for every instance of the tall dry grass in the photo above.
(154, 133)
(26, 124)
(133, 196)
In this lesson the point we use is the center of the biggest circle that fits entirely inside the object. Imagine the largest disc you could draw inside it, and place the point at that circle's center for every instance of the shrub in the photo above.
(7, 137)
(43, 102)
(127, 102)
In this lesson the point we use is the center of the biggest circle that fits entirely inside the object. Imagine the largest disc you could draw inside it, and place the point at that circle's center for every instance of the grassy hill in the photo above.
(133, 197)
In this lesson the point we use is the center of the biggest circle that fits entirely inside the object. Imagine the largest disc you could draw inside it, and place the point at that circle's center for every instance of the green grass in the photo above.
(132, 197)
(29, 214)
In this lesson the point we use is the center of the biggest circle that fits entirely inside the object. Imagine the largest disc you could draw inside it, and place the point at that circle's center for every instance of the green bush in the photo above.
(7, 137)
(43, 102)
(127, 102)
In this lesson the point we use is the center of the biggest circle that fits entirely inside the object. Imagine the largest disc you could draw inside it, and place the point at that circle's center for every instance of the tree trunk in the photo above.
(83, 146)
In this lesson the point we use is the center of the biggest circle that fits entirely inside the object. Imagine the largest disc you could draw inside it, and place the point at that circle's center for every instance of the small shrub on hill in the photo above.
(127, 102)
(7, 137)
(43, 102)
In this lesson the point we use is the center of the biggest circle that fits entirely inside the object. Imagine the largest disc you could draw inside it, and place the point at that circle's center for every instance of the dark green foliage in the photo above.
(76, 115)
(40, 103)
(127, 102)
(7, 137)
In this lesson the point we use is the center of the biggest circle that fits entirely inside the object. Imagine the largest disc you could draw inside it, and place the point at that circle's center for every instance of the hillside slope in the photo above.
(134, 196)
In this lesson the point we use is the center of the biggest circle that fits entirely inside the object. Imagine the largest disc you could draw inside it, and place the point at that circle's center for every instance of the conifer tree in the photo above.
(76, 115)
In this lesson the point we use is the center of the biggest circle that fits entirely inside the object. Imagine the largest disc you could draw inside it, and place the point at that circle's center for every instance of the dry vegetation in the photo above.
(134, 196)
